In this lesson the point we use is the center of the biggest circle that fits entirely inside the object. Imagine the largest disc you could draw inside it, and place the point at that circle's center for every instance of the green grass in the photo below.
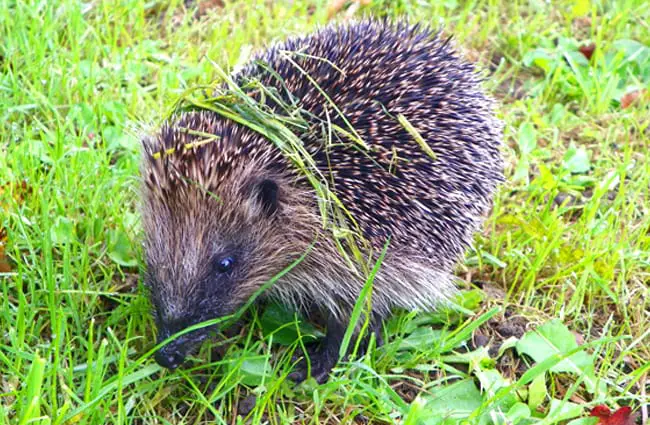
(569, 238)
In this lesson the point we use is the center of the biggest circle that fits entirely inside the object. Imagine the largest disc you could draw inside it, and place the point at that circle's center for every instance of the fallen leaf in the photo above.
(579, 338)
(623, 416)
(575, 398)
(630, 98)
(16, 193)
(587, 50)
(583, 21)
(207, 5)
(9, 385)
(5, 267)
(20, 191)
(335, 6)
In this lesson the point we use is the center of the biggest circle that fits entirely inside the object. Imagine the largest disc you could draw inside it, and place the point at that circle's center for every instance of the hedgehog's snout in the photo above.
(169, 357)
(172, 354)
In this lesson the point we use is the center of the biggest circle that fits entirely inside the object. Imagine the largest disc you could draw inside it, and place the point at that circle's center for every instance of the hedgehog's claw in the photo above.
(321, 361)
(324, 358)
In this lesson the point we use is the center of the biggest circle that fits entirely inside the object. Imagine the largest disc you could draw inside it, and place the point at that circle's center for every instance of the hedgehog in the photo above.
(221, 219)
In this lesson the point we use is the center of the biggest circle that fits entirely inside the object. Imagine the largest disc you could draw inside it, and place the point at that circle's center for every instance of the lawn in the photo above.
(554, 315)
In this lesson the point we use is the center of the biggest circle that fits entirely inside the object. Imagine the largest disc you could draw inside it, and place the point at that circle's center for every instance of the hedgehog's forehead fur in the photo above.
(196, 155)
(189, 176)
(199, 200)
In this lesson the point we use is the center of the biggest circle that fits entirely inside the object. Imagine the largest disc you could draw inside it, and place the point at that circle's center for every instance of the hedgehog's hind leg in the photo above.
(325, 357)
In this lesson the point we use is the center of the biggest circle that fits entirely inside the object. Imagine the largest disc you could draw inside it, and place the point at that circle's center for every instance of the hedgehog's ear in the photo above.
(266, 194)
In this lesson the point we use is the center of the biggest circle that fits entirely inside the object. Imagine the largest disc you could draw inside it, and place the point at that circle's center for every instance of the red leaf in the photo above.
(5, 267)
(19, 191)
(587, 50)
(632, 97)
(623, 416)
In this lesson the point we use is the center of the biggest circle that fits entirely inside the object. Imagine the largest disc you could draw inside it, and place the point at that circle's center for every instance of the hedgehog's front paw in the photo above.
(322, 361)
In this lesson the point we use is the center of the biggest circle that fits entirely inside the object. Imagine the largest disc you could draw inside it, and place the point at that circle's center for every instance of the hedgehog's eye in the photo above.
(225, 264)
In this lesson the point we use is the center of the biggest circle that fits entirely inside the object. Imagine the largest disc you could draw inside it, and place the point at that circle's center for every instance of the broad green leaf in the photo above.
(477, 359)
(537, 392)
(62, 231)
(560, 411)
(633, 50)
(420, 339)
(470, 300)
(121, 251)
(281, 323)
(456, 400)
(254, 371)
(541, 58)
(558, 113)
(546, 177)
(31, 393)
(576, 160)
(577, 58)
(114, 111)
(552, 339)
(420, 414)
(521, 171)
(83, 115)
(518, 413)
(461, 306)
(527, 139)
(492, 382)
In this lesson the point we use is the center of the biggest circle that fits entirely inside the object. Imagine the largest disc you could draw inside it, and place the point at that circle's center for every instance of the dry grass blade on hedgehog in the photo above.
(329, 154)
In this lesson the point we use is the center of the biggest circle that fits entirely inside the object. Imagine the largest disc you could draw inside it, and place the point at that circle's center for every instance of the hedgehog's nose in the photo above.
(169, 358)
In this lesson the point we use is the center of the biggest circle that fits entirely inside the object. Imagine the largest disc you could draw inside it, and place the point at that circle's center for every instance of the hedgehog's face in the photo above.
(206, 257)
